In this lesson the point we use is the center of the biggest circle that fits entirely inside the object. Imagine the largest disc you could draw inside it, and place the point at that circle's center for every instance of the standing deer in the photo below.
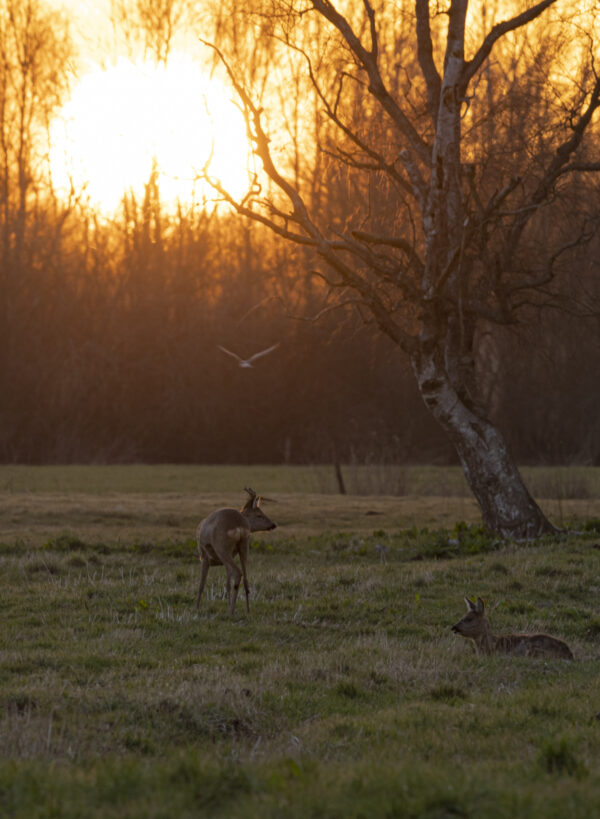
(475, 626)
(225, 533)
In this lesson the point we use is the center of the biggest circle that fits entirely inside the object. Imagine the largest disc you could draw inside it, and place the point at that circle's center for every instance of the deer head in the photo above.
(257, 520)
(474, 623)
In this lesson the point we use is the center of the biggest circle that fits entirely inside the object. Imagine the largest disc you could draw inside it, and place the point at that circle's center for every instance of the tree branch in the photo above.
(373, 31)
(367, 60)
(498, 31)
(261, 141)
(555, 169)
(329, 251)
(586, 234)
(331, 111)
(395, 242)
(425, 54)
(582, 167)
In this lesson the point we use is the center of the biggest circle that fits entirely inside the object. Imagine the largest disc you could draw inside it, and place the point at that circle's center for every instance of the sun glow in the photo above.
(125, 120)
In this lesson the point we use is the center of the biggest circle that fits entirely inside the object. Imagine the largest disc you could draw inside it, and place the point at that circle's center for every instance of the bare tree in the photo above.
(152, 24)
(34, 44)
(457, 239)
(35, 55)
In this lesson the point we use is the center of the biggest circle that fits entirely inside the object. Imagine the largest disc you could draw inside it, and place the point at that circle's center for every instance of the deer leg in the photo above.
(236, 588)
(228, 584)
(243, 551)
(232, 571)
(204, 571)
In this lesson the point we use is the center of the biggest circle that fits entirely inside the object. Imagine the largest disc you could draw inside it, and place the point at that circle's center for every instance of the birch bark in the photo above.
(444, 362)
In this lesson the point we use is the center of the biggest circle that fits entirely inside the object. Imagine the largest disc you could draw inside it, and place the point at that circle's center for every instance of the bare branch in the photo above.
(498, 31)
(392, 241)
(426, 61)
(556, 168)
(327, 249)
(587, 232)
(380, 162)
(367, 60)
(243, 210)
(371, 15)
(329, 308)
(261, 142)
(499, 197)
(581, 167)
(332, 285)
(374, 303)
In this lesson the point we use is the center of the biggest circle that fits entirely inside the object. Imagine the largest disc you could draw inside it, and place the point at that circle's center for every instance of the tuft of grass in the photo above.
(66, 542)
(558, 757)
(447, 693)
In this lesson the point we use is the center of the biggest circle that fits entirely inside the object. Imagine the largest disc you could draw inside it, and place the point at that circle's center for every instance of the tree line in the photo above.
(111, 353)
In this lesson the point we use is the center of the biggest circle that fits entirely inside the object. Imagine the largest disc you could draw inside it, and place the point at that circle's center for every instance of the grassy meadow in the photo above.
(342, 694)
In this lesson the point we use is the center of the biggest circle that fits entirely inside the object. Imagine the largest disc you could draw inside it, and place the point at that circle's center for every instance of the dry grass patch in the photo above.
(36, 518)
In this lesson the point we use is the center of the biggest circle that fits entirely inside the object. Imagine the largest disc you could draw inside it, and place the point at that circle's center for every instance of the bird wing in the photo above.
(263, 352)
(233, 355)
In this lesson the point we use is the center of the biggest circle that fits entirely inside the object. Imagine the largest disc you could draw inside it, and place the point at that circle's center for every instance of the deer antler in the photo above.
(254, 500)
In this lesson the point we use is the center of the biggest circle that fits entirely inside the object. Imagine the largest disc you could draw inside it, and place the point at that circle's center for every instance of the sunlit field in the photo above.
(342, 694)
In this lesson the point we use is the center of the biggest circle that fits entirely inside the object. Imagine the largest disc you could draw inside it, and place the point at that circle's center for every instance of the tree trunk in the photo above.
(506, 505)
(443, 364)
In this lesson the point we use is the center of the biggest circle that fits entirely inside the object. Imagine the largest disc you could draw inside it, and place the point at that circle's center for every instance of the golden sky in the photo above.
(127, 115)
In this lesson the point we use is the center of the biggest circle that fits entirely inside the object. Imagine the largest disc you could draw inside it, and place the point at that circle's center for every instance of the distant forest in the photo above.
(109, 352)
(110, 332)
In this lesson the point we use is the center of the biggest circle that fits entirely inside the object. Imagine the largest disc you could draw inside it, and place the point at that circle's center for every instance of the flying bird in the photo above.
(247, 362)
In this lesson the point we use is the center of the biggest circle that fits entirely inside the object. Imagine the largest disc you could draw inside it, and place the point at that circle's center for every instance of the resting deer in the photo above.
(475, 626)
(225, 533)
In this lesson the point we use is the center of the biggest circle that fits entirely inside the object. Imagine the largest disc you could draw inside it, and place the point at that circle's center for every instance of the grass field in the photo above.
(342, 694)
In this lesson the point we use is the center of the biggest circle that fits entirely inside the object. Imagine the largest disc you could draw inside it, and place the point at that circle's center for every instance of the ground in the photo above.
(342, 694)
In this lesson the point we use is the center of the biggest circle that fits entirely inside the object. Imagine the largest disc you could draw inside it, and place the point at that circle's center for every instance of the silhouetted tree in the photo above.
(34, 42)
(153, 24)
(460, 243)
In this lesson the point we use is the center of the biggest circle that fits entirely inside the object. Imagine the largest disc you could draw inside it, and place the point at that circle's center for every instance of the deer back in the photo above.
(216, 526)
(533, 645)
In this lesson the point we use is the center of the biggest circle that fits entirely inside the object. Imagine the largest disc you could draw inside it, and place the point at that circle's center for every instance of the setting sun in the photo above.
(123, 119)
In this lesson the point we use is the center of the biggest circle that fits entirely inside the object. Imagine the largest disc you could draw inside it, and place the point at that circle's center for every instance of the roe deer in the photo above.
(475, 626)
(225, 533)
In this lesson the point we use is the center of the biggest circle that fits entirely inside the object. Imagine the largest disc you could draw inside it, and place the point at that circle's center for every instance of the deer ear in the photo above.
(470, 604)
(480, 607)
